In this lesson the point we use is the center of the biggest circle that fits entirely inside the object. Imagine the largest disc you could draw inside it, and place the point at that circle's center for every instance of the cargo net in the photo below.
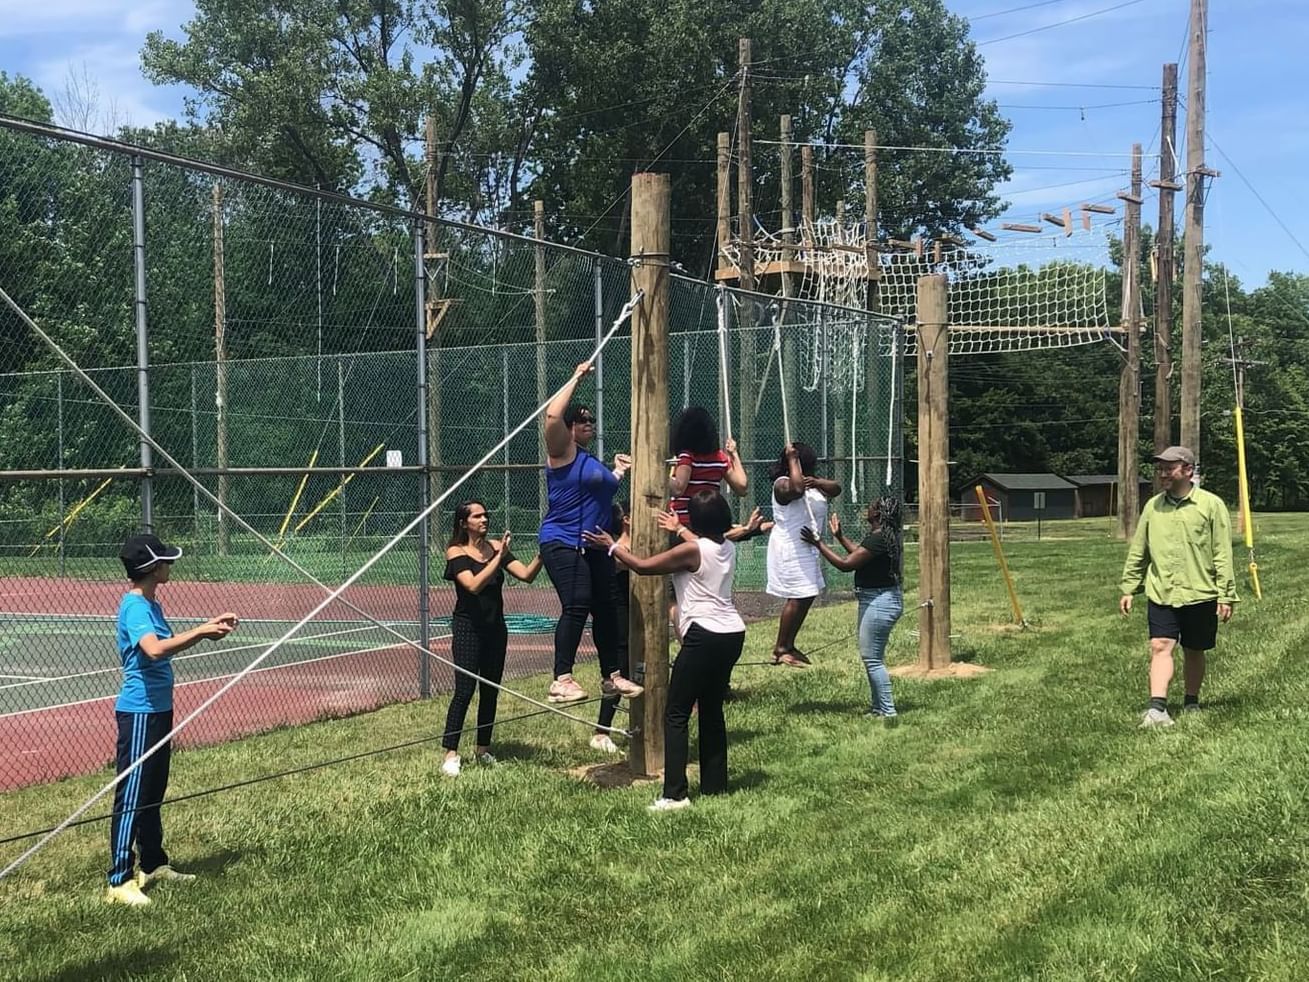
(1038, 291)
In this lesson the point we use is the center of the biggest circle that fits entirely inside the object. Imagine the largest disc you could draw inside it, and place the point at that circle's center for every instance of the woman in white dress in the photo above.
(795, 573)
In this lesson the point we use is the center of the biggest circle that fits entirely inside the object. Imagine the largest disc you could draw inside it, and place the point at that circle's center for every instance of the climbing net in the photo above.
(1037, 291)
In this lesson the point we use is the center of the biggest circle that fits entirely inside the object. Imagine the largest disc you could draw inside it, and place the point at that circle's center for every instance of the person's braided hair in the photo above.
(890, 524)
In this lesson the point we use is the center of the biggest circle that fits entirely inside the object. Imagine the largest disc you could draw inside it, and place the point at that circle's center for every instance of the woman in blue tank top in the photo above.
(579, 498)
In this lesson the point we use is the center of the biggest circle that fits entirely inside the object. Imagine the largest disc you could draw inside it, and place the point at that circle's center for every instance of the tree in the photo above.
(836, 66)
(334, 93)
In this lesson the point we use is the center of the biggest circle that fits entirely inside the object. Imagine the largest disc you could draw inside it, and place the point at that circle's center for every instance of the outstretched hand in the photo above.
(599, 538)
(834, 523)
(668, 521)
(809, 535)
(219, 627)
(755, 521)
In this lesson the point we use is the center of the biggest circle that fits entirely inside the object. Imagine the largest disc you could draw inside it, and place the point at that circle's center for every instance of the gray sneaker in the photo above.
(1155, 717)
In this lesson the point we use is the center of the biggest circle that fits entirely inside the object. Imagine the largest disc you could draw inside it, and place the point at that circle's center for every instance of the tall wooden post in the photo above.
(1163, 321)
(538, 311)
(745, 212)
(1129, 383)
(807, 189)
(1193, 245)
(724, 234)
(788, 209)
(648, 623)
(933, 474)
(220, 371)
(432, 350)
(870, 216)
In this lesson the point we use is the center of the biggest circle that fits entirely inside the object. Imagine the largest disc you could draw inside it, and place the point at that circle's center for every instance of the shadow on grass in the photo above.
(117, 965)
(214, 862)
(516, 750)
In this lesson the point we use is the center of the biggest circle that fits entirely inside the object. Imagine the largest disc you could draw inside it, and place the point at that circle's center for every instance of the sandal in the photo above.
(790, 660)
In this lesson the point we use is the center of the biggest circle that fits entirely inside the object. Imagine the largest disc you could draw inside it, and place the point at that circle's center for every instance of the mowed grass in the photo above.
(1016, 825)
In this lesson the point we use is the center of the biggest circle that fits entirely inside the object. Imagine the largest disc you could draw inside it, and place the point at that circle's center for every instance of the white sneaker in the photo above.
(128, 894)
(604, 742)
(1155, 717)
(165, 874)
(450, 766)
(485, 758)
(566, 689)
(670, 804)
(615, 685)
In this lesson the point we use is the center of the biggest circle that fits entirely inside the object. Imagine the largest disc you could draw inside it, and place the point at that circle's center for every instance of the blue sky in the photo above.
(1258, 77)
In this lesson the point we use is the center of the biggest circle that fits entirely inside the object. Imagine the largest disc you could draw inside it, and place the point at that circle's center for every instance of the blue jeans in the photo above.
(879, 609)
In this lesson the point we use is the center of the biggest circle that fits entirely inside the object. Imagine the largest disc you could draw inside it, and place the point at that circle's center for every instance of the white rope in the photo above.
(332, 596)
(720, 301)
(890, 413)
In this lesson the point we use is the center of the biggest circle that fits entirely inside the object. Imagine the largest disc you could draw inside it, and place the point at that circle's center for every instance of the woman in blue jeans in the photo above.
(876, 565)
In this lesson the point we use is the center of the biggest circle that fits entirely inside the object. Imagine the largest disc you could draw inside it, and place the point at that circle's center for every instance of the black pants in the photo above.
(619, 594)
(480, 650)
(700, 675)
(136, 818)
(583, 579)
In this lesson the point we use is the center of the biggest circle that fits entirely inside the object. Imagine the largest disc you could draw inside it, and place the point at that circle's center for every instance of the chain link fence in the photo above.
(325, 367)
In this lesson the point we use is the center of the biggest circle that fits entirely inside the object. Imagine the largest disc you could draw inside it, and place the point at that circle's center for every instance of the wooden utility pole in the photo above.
(724, 235)
(745, 216)
(220, 371)
(870, 216)
(933, 474)
(434, 313)
(788, 209)
(807, 190)
(648, 619)
(1193, 245)
(1163, 310)
(538, 307)
(1129, 383)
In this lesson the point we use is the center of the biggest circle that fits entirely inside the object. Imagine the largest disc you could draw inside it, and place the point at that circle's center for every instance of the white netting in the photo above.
(1039, 291)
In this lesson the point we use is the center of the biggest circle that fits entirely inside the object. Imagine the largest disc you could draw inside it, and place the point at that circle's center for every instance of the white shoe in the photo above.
(605, 743)
(450, 766)
(670, 804)
(485, 758)
(164, 874)
(1155, 717)
(128, 893)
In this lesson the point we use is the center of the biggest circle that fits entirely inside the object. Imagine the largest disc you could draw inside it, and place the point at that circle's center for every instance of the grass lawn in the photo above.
(1016, 825)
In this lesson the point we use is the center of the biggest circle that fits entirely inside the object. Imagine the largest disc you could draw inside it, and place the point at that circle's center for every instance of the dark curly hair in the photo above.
(694, 432)
(710, 514)
(808, 461)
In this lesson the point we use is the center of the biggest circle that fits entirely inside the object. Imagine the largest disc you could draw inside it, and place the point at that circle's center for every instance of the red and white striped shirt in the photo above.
(707, 473)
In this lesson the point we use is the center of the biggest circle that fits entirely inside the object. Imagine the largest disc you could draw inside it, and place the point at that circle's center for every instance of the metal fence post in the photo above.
(59, 409)
(598, 290)
(142, 338)
(195, 462)
(424, 482)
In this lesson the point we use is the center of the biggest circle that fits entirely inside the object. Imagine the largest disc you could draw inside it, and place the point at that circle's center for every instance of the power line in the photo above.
(992, 151)
(1013, 10)
(1259, 197)
(1070, 20)
(1072, 85)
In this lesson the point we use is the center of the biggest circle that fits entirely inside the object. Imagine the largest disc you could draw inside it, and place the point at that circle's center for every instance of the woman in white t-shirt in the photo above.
(712, 635)
(794, 571)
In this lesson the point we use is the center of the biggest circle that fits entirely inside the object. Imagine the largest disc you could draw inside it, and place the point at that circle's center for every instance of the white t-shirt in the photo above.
(705, 596)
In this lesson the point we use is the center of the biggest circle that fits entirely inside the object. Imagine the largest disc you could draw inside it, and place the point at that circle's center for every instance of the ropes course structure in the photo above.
(1040, 291)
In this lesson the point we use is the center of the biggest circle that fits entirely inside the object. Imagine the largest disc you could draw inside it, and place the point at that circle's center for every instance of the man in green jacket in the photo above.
(1181, 556)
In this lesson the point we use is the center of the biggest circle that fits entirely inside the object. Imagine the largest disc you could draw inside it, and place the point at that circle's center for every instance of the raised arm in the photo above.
(827, 487)
(857, 559)
(736, 477)
(791, 487)
(524, 571)
(556, 433)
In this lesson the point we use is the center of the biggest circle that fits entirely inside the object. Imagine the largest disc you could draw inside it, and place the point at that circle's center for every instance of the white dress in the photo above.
(794, 566)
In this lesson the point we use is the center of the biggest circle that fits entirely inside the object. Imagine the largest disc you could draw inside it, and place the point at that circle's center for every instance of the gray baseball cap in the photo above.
(1176, 455)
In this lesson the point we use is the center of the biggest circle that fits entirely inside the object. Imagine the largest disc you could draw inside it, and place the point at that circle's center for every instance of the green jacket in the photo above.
(1182, 553)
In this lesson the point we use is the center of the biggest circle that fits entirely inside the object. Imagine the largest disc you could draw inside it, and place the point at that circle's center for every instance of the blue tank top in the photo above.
(579, 497)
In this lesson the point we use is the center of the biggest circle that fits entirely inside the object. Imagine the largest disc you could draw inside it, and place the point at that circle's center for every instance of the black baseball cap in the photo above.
(141, 552)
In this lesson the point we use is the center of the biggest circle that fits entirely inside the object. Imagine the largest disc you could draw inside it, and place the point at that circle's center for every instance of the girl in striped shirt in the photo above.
(701, 465)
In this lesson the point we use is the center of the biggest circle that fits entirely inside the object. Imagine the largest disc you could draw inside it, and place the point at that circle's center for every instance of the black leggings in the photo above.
(700, 675)
(480, 650)
(620, 596)
(583, 579)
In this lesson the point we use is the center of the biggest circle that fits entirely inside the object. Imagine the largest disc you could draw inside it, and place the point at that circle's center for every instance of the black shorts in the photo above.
(1195, 625)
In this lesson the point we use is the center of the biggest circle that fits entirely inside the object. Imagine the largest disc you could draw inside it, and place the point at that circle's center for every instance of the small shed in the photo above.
(1097, 494)
(1017, 495)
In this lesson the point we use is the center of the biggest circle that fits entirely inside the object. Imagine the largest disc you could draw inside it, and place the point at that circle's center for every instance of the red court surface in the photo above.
(58, 739)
